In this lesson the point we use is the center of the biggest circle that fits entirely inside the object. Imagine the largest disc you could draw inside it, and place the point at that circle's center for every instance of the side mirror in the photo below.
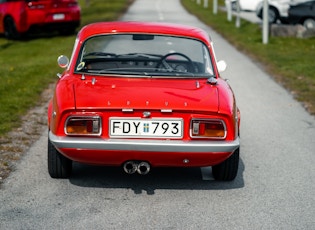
(221, 66)
(63, 61)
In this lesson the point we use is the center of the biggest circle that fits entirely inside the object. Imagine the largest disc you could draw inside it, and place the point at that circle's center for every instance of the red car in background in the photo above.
(142, 95)
(18, 17)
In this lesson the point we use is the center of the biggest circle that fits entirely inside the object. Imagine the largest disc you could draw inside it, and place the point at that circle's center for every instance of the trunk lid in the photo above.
(142, 94)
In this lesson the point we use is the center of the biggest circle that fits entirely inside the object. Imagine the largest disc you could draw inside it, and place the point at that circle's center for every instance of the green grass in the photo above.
(28, 66)
(291, 61)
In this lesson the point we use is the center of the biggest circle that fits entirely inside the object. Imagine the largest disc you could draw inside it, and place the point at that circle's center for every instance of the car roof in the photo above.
(125, 27)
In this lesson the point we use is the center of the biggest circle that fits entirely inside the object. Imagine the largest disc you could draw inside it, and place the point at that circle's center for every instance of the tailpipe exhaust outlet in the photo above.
(143, 168)
(130, 167)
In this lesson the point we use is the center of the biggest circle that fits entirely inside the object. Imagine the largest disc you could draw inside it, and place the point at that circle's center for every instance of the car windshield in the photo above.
(144, 55)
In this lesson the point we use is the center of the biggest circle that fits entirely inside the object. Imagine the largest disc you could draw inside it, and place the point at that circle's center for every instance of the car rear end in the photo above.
(139, 95)
(146, 120)
(61, 15)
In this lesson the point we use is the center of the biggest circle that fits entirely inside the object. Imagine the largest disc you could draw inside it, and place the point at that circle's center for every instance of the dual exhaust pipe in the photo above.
(142, 168)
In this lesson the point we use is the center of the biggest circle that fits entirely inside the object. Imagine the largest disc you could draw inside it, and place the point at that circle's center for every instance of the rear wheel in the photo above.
(309, 23)
(273, 15)
(227, 170)
(234, 6)
(10, 30)
(58, 165)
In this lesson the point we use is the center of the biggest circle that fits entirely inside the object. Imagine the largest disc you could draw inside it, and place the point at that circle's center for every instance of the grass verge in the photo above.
(291, 61)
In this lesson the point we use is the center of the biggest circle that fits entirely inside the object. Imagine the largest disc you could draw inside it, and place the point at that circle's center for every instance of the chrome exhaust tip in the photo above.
(130, 167)
(143, 168)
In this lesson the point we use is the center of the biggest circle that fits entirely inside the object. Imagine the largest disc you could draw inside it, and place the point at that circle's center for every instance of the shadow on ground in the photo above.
(158, 178)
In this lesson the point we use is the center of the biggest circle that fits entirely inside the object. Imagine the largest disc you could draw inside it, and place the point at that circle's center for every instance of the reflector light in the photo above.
(83, 126)
(204, 128)
(33, 5)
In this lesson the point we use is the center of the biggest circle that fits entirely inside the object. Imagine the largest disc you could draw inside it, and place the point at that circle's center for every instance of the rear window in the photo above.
(142, 54)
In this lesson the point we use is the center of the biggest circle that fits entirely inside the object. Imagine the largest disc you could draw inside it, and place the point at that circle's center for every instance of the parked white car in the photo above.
(245, 5)
(278, 9)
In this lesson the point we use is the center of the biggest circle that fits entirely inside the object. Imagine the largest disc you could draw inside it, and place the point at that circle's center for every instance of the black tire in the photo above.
(309, 23)
(273, 15)
(10, 31)
(58, 165)
(227, 170)
(234, 6)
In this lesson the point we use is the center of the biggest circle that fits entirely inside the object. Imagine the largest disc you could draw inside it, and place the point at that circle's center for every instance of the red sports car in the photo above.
(141, 95)
(20, 16)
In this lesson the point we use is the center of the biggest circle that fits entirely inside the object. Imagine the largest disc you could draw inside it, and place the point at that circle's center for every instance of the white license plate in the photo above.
(58, 17)
(146, 128)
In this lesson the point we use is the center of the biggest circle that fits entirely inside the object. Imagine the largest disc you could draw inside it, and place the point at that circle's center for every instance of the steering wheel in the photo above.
(168, 67)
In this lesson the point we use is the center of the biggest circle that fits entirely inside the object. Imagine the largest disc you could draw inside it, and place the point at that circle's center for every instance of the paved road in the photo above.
(275, 188)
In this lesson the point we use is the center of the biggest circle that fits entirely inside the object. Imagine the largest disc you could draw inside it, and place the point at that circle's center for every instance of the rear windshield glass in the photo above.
(144, 54)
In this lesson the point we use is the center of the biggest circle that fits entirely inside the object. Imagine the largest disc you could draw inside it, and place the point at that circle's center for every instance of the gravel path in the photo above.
(19, 140)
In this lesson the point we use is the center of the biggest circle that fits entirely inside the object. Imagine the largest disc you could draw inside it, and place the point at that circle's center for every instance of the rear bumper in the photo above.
(176, 146)
(157, 152)
(53, 17)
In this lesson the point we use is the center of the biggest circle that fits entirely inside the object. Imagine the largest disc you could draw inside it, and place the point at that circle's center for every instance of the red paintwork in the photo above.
(109, 95)
(28, 14)
(156, 159)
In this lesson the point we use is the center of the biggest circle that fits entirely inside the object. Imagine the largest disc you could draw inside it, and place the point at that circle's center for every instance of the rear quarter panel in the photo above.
(62, 102)
(228, 108)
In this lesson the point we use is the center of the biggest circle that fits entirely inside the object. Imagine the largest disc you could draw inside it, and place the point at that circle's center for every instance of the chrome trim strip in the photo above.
(127, 110)
(166, 110)
(98, 143)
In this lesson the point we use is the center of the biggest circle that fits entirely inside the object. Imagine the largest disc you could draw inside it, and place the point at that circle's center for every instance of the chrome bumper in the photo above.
(143, 145)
